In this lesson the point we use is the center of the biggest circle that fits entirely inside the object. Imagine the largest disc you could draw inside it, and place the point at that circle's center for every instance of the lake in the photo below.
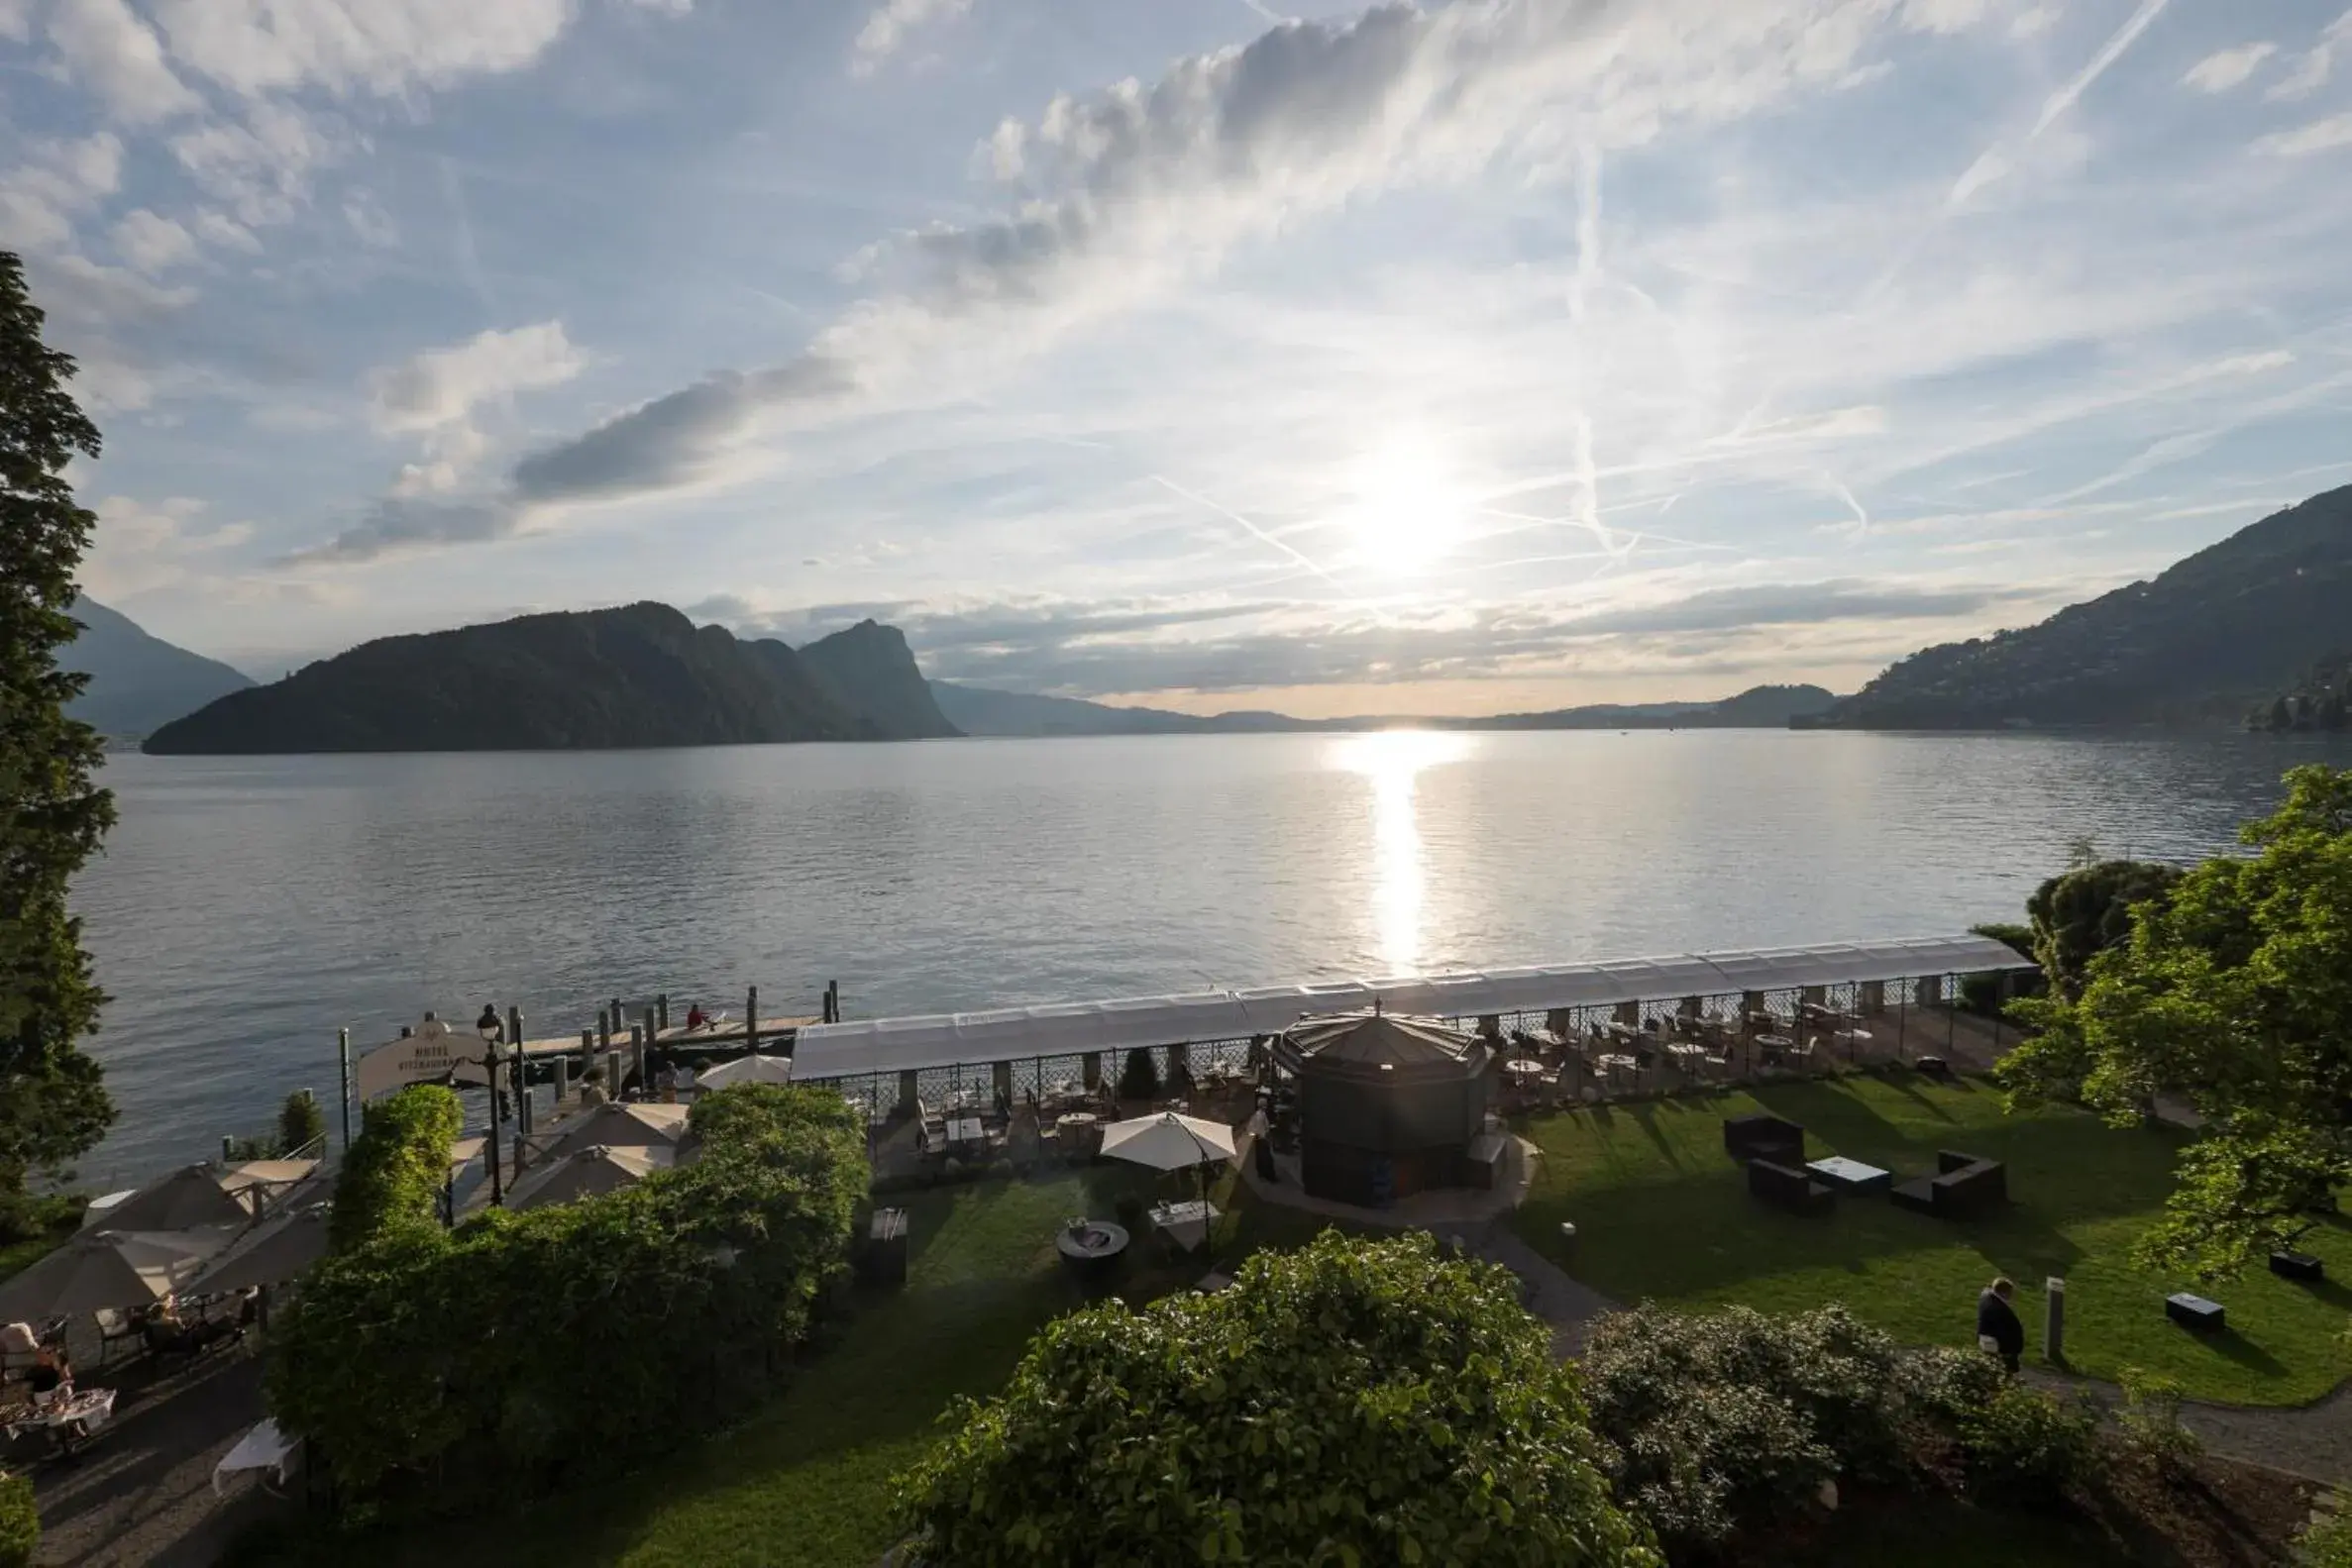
(247, 907)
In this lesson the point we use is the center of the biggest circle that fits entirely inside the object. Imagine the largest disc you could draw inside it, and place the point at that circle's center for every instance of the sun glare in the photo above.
(1408, 508)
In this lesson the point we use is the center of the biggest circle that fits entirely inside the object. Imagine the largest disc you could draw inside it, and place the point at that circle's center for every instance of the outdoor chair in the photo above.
(115, 1328)
(1963, 1188)
(1789, 1187)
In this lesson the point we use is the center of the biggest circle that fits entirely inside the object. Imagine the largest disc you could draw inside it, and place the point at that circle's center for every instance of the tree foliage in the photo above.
(301, 1123)
(19, 1521)
(2082, 913)
(2235, 997)
(1350, 1402)
(52, 1105)
(437, 1369)
(397, 1169)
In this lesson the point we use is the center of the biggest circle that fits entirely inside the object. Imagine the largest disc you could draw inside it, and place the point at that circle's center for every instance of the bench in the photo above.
(2195, 1311)
(1786, 1186)
(1762, 1137)
(2300, 1266)
(1964, 1186)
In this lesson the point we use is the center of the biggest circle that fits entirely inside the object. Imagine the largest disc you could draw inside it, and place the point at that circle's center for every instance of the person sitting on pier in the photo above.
(592, 1088)
(489, 1026)
(696, 1019)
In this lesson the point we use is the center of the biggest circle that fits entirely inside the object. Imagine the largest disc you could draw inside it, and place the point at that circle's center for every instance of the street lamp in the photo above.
(491, 1033)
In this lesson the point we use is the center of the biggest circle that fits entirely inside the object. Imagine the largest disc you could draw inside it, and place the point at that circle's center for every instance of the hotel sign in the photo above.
(434, 1054)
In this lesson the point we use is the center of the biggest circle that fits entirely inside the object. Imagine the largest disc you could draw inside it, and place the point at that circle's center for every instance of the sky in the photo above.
(1441, 358)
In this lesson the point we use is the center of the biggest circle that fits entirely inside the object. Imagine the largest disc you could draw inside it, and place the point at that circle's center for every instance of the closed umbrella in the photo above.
(588, 1172)
(276, 1250)
(747, 1070)
(109, 1268)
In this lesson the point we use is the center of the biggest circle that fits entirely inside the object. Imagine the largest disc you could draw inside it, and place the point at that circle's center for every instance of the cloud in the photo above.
(443, 385)
(892, 22)
(139, 547)
(152, 244)
(405, 524)
(260, 167)
(1132, 189)
(2316, 65)
(2320, 136)
(56, 183)
(2229, 68)
(109, 50)
(385, 48)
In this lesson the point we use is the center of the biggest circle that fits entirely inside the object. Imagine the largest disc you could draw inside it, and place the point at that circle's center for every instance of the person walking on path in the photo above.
(1999, 1330)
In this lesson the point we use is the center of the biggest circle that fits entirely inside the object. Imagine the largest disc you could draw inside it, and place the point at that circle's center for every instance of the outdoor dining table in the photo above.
(966, 1129)
(1686, 1054)
(1188, 1222)
(69, 1421)
(1614, 1063)
(1523, 1066)
(1091, 1240)
(1775, 1044)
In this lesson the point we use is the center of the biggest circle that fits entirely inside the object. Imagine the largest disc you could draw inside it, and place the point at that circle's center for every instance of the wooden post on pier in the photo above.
(637, 1051)
(661, 1008)
(612, 1075)
(832, 1009)
(343, 1058)
(228, 1148)
(522, 1078)
(603, 1031)
(751, 1020)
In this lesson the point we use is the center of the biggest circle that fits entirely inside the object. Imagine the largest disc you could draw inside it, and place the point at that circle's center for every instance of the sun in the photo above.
(1408, 508)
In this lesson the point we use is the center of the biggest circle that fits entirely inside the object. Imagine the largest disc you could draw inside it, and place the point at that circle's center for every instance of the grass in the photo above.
(1663, 1214)
(808, 1482)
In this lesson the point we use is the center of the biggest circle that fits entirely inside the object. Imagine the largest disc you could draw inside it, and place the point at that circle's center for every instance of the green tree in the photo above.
(2081, 913)
(301, 1123)
(52, 1103)
(1352, 1401)
(2234, 995)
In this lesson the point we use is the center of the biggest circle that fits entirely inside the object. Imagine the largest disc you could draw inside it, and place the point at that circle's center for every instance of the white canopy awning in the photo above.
(963, 1039)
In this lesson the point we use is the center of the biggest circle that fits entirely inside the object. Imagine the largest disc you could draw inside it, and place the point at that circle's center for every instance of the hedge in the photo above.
(398, 1167)
(434, 1371)
(1350, 1402)
(19, 1521)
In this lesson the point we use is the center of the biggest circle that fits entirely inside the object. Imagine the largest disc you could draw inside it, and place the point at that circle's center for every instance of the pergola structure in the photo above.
(889, 1064)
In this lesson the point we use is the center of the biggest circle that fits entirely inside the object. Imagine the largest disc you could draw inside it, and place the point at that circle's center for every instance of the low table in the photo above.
(1095, 1241)
(1186, 1223)
(1851, 1175)
(69, 1421)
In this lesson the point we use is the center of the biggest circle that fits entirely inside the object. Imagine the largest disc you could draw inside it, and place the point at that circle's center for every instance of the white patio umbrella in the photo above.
(617, 1126)
(110, 1268)
(278, 1249)
(588, 1172)
(206, 1194)
(747, 1070)
(1169, 1141)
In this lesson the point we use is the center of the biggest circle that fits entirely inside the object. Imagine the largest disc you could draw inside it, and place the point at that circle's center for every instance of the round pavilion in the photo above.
(1388, 1106)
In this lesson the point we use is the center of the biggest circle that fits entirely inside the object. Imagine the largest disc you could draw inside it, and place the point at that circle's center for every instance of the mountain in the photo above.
(636, 677)
(978, 710)
(138, 680)
(2320, 700)
(870, 670)
(2230, 626)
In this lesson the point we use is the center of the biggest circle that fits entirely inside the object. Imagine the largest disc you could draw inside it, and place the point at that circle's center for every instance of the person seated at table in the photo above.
(665, 1081)
(51, 1377)
(696, 1019)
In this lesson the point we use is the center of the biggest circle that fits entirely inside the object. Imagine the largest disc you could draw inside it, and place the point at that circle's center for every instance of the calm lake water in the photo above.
(247, 907)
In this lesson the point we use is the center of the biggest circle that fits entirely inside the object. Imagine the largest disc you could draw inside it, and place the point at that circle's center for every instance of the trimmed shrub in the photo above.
(437, 1370)
(19, 1521)
(397, 1167)
(2325, 1542)
(1140, 1077)
(2150, 1422)
(1352, 1401)
(1728, 1422)
(2023, 1446)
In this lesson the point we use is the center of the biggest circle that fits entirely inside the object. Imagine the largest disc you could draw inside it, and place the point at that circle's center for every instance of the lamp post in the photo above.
(490, 1031)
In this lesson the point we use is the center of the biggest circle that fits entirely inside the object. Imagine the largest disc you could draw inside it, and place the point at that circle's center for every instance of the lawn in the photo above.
(1663, 1214)
(808, 1483)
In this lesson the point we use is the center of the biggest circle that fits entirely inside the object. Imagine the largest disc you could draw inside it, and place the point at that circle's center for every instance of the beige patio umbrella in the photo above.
(110, 1268)
(617, 1126)
(194, 1194)
(280, 1248)
(588, 1172)
(1169, 1141)
(747, 1070)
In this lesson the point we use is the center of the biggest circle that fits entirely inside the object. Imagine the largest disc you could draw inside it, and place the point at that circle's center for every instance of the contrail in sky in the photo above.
(1224, 511)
